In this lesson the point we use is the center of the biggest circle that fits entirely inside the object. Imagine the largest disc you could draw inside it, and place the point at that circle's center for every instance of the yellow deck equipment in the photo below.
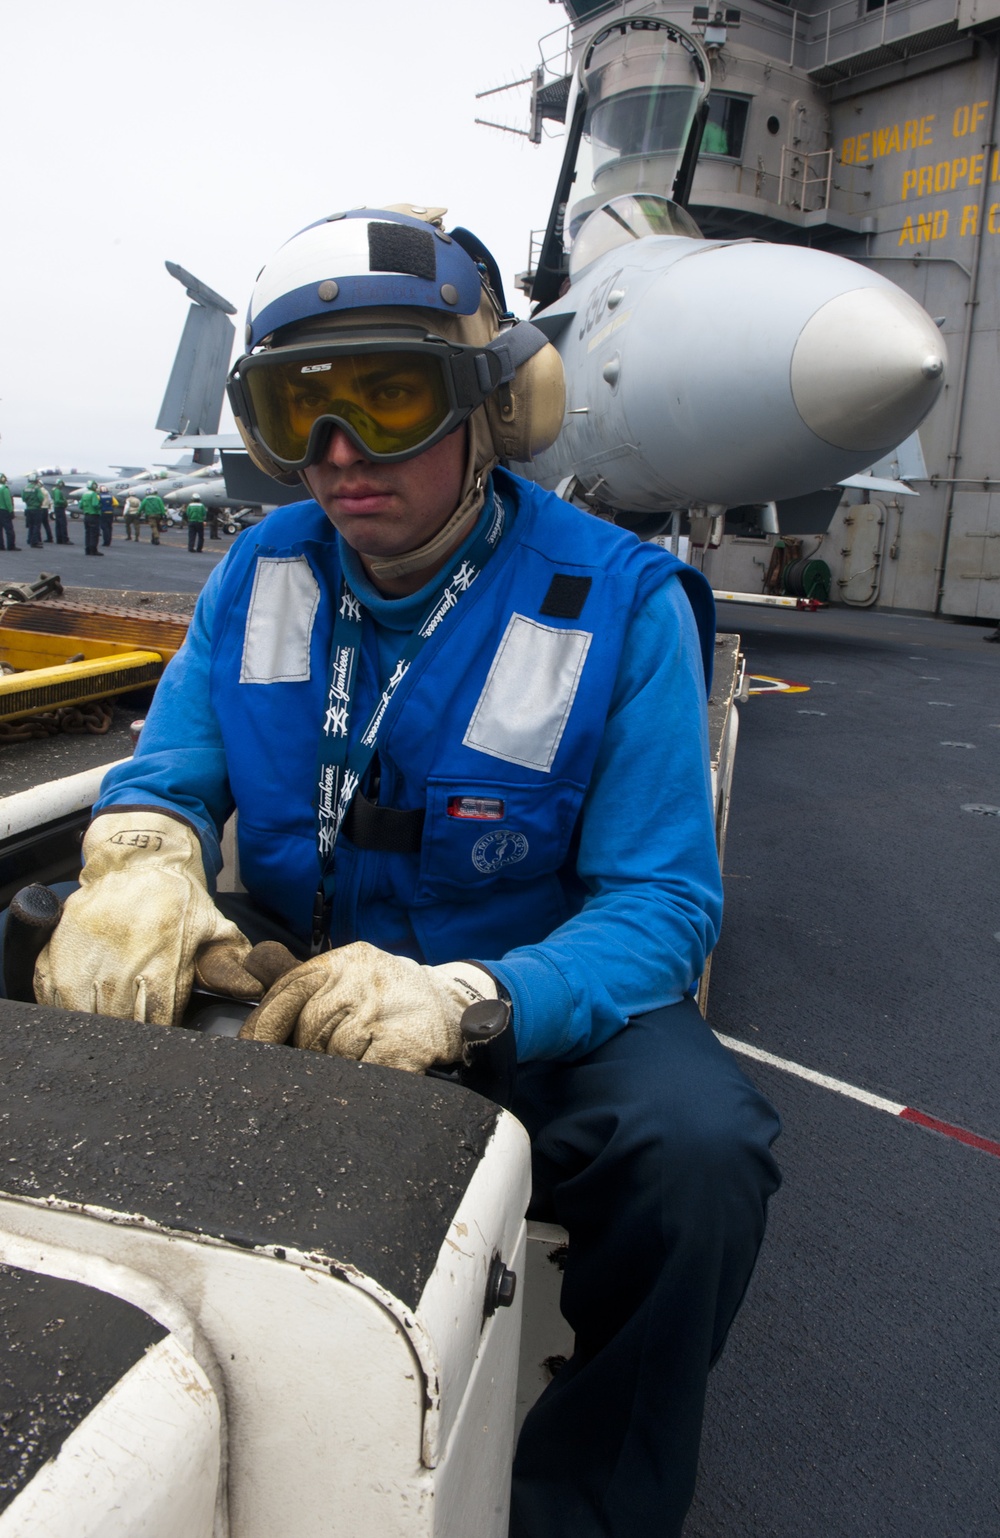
(75, 683)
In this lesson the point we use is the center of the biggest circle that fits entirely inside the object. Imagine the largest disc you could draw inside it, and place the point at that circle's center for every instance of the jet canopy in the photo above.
(642, 82)
(623, 220)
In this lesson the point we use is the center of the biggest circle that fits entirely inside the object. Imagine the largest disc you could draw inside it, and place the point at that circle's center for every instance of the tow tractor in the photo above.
(246, 1290)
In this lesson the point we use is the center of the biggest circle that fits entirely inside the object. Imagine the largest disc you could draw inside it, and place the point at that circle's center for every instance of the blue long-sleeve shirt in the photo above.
(646, 849)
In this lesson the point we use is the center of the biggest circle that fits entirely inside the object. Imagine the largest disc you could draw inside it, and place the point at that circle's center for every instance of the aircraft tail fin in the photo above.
(193, 400)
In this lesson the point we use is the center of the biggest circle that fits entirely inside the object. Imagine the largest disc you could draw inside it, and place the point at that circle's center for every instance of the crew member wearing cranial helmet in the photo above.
(419, 304)
(60, 502)
(90, 507)
(6, 516)
(33, 497)
(463, 725)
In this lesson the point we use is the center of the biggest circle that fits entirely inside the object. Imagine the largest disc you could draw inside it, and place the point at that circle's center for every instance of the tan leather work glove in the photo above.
(142, 926)
(364, 1003)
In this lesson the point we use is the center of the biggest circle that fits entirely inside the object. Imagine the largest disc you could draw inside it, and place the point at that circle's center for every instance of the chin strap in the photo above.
(413, 560)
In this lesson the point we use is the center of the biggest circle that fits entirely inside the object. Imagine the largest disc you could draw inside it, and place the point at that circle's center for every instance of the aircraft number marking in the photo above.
(598, 303)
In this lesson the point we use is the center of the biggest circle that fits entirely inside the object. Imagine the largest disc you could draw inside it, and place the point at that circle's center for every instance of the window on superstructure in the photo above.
(726, 127)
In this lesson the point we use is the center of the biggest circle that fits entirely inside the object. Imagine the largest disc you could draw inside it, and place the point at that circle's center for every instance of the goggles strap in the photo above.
(516, 345)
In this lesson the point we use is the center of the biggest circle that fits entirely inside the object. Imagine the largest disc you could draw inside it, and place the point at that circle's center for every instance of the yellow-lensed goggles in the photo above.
(393, 398)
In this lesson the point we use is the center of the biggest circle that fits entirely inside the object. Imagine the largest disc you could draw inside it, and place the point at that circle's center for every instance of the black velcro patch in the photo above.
(397, 248)
(566, 596)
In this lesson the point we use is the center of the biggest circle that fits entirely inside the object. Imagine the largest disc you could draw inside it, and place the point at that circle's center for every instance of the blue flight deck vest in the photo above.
(494, 729)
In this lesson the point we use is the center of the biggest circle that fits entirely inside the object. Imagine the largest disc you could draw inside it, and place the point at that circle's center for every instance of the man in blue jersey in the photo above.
(464, 728)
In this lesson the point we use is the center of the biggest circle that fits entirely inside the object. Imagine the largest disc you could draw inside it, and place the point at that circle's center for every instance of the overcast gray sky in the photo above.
(207, 132)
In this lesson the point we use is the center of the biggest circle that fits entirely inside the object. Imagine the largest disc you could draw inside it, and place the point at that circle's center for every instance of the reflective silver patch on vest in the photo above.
(525, 704)
(279, 623)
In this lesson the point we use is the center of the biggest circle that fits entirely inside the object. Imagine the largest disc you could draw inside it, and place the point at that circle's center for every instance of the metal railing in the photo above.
(811, 40)
(556, 52)
(845, 29)
(525, 279)
(805, 181)
(805, 176)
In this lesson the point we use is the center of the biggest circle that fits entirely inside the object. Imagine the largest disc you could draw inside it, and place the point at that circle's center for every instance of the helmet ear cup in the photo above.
(263, 460)
(526, 416)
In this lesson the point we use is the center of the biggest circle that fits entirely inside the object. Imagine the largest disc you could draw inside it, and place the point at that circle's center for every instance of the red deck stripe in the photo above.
(972, 1139)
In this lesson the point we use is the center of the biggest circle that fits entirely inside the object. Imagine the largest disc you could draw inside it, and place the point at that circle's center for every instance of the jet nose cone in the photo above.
(866, 368)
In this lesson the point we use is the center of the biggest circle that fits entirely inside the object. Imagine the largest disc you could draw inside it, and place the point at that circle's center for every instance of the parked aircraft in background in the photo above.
(75, 479)
(210, 491)
(236, 513)
(160, 480)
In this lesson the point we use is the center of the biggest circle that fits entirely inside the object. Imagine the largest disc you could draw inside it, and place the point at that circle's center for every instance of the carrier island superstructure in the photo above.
(866, 129)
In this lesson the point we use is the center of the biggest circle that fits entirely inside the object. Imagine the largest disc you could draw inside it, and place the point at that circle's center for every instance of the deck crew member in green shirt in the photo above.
(59, 503)
(33, 498)
(90, 507)
(6, 516)
(196, 514)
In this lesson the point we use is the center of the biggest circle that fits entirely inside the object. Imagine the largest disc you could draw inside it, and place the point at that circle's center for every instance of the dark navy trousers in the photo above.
(654, 1154)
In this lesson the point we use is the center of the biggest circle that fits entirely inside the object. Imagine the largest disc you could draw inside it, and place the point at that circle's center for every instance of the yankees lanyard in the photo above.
(341, 770)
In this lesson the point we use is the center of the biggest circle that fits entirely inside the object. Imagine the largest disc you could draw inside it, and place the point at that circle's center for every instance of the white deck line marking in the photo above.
(906, 1113)
(839, 1086)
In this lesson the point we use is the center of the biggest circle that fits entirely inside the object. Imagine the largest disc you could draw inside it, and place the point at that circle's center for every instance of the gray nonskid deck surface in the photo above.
(860, 1390)
(168, 567)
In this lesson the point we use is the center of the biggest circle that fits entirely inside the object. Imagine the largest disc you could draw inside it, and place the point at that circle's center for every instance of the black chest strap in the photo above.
(384, 829)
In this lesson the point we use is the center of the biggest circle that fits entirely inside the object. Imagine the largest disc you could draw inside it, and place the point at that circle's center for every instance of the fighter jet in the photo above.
(163, 481)
(74, 479)
(212, 492)
(152, 479)
(703, 375)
